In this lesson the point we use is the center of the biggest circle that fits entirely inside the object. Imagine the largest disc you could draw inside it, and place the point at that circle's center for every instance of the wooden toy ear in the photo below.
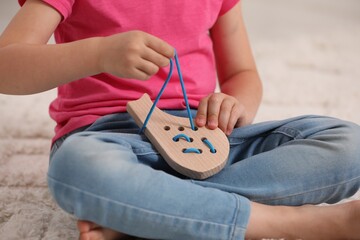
(196, 153)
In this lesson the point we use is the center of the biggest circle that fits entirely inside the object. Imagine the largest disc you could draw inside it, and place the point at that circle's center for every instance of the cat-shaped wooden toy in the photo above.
(195, 152)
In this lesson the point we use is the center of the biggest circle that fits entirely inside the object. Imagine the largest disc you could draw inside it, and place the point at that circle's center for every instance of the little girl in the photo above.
(112, 178)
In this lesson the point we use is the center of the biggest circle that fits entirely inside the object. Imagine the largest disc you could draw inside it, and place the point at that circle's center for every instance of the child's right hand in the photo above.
(133, 54)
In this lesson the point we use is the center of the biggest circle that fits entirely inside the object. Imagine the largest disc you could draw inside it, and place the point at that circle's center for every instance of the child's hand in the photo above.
(220, 110)
(133, 54)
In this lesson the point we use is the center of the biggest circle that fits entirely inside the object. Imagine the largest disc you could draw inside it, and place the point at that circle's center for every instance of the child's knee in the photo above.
(85, 157)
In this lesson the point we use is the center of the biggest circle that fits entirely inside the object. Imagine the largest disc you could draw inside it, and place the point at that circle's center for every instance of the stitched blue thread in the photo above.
(208, 143)
(162, 90)
(157, 98)
(184, 91)
(181, 135)
(191, 150)
(177, 137)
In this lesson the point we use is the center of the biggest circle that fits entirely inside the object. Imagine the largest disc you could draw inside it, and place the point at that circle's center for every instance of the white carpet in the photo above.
(308, 54)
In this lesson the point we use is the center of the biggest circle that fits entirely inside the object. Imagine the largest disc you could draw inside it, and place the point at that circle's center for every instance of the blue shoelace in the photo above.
(162, 90)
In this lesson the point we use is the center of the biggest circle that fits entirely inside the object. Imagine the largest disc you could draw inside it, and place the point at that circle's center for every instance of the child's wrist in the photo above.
(96, 47)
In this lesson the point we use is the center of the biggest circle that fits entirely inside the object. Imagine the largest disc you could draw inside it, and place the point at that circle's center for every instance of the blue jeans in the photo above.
(110, 175)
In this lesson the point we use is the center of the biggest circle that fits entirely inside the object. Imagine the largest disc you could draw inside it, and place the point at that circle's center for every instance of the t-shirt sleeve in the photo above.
(227, 5)
(64, 7)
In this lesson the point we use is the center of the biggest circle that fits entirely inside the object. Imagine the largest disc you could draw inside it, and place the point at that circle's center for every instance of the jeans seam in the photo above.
(282, 130)
(127, 205)
(236, 216)
(314, 190)
(146, 153)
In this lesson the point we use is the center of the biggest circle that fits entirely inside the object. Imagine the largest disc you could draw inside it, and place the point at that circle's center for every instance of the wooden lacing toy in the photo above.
(195, 152)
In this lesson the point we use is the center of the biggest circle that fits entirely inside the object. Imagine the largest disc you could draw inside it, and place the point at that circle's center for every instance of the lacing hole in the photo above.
(181, 129)
(166, 128)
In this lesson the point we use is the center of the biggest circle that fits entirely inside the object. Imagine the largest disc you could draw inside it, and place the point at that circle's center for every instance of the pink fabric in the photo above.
(63, 7)
(182, 23)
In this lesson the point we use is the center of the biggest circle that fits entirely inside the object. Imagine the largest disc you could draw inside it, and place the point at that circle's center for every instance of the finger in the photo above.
(140, 75)
(213, 110)
(225, 113)
(235, 115)
(201, 115)
(147, 68)
(160, 46)
(238, 117)
(155, 57)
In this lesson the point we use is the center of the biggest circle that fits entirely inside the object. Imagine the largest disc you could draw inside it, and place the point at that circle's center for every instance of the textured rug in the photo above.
(315, 73)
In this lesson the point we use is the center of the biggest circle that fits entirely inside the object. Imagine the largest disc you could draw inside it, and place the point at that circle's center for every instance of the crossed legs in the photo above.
(122, 184)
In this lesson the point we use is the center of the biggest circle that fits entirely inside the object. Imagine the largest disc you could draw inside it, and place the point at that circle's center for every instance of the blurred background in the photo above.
(308, 55)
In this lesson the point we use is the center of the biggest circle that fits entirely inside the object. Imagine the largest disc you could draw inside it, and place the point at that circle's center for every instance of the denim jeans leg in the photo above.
(113, 180)
(119, 181)
(303, 160)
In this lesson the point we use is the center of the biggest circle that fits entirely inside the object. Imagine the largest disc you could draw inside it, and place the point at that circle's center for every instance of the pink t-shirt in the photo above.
(184, 24)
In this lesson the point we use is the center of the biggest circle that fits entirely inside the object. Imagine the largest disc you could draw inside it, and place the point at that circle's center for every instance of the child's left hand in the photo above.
(220, 110)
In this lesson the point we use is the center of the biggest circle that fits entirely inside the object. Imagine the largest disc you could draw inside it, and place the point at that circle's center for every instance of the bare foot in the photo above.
(340, 221)
(92, 231)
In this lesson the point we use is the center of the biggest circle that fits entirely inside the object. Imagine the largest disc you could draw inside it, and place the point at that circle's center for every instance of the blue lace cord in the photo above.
(209, 144)
(184, 91)
(181, 135)
(162, 90)
(192, 150)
